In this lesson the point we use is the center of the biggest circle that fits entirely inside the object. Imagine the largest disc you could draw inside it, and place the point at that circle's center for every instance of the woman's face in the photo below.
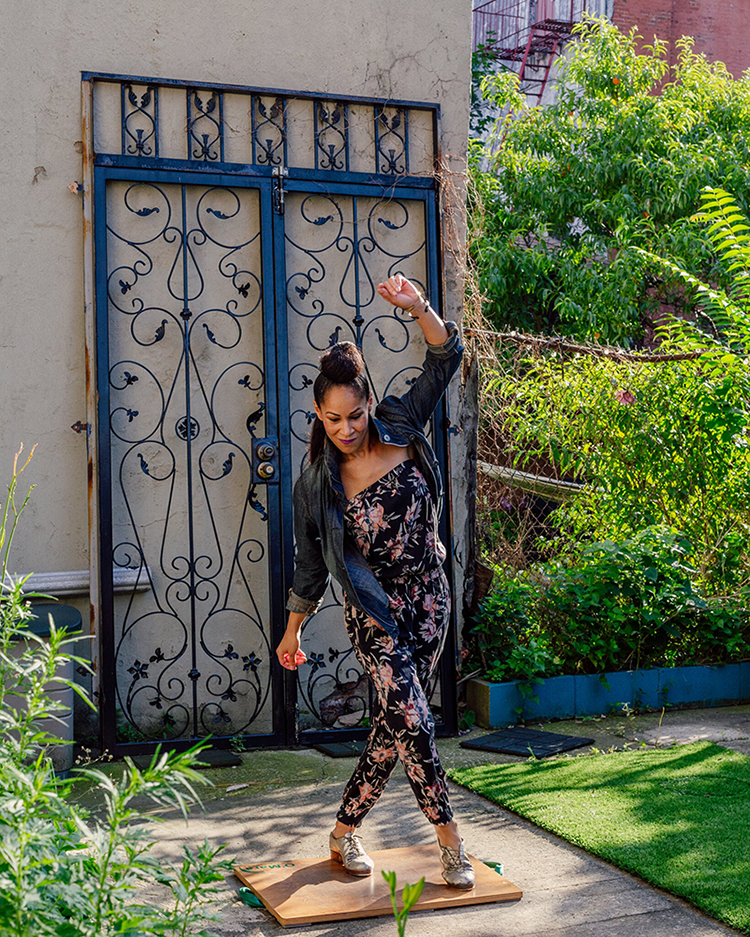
(345, 417)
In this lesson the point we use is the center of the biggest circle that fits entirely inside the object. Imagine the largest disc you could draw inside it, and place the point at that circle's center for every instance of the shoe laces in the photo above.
(454, 859)
(353, 845)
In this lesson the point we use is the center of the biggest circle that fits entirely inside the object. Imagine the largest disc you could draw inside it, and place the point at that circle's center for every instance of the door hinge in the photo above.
(280, 173)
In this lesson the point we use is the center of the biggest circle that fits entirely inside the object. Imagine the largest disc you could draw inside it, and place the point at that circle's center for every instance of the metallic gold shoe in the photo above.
(348, 850)
(457, 869)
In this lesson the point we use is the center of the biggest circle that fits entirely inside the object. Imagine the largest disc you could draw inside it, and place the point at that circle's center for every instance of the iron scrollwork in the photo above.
(392, 140)
(205, 126)
(178, 671)
(331, 135)
(269, 131)
(139, 116)
(197, 660)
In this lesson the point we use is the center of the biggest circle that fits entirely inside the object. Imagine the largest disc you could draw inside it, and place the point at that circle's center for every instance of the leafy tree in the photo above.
(617, 161)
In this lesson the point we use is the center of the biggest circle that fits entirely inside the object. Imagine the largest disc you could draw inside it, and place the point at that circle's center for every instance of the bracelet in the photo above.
(410, 309)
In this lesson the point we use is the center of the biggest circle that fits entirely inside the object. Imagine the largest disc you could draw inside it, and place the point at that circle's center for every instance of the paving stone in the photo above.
(567, 893)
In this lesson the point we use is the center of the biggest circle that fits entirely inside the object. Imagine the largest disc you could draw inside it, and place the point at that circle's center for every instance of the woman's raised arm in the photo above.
(401, 292)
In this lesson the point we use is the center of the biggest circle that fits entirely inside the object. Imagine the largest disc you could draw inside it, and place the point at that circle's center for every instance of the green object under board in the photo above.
(250, 898)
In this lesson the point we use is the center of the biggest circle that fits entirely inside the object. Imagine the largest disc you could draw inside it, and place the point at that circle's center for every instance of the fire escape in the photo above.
(528, 32)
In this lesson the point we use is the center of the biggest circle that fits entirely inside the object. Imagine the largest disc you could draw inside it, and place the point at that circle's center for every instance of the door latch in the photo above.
(280, 173)
(265, 459)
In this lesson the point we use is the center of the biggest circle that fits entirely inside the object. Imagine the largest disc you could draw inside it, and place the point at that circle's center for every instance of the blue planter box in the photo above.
(593, 696)
(556, 701)
(501, 704)
(704, 686)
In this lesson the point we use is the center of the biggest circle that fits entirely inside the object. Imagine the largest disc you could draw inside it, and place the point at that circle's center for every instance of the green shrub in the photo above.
(617, 160)
(658, 444)
(617, 606)
(62, 872)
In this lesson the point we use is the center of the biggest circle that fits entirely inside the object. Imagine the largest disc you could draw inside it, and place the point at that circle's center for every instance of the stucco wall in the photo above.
(416, 51)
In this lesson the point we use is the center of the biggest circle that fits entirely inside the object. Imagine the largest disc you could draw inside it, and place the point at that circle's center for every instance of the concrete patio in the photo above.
(286, 811)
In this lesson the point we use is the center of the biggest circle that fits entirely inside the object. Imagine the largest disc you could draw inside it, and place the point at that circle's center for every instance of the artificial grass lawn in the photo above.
(678, 817)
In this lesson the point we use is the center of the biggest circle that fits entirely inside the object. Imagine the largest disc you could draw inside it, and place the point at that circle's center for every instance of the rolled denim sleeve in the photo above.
(295, 603)
(310, 572)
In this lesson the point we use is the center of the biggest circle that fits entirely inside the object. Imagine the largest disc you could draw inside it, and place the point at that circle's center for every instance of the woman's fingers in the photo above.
(397, 290)
(285, 661)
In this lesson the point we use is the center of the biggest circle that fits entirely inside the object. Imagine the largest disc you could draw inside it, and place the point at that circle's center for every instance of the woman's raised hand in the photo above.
(399, 291)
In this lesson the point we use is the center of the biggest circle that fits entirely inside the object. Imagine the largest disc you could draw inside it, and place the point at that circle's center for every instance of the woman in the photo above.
(366, 511)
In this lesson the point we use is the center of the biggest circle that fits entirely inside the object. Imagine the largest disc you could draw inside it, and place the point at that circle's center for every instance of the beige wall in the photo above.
(418, 50)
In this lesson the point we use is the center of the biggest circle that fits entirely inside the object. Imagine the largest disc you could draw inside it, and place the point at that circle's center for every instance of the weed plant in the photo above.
(409, 896)
(63, 872)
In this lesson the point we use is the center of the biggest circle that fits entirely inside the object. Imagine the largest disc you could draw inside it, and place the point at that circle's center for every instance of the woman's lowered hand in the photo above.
(288, 652)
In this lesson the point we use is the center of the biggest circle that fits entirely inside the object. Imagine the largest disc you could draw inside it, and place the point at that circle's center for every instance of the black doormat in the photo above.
(520, 741)
(341, 749)
(211, 758)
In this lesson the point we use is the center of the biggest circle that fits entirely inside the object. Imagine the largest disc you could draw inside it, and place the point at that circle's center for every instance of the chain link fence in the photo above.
(589, 441)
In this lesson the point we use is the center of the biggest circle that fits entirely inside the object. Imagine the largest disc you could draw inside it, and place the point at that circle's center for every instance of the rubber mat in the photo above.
(521, 741)
(341, 749)
(211, 758)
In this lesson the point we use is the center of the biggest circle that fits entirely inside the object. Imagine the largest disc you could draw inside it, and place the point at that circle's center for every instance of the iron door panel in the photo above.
(188, 456)
(337, 242)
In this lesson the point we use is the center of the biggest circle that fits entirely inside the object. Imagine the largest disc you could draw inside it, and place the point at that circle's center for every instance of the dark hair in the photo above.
(341, 366)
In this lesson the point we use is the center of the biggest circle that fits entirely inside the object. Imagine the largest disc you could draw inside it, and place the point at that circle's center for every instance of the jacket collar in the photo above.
(331, 467)
(387, 434)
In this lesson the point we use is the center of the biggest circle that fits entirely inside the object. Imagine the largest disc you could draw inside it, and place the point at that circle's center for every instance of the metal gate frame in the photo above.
(271, 183)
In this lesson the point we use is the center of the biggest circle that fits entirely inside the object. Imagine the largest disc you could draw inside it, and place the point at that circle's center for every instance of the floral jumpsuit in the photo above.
(394, 525)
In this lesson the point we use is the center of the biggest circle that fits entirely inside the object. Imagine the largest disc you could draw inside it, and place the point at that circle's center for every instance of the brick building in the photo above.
(721, 30)
(529, 35)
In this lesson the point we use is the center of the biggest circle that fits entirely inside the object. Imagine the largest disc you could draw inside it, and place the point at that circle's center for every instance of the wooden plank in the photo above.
(310, 891)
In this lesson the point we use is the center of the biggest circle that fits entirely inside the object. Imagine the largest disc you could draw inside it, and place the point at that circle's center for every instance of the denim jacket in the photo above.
(319, 500)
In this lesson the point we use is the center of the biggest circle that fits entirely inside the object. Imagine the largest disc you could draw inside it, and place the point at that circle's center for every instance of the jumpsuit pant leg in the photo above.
(402, 724)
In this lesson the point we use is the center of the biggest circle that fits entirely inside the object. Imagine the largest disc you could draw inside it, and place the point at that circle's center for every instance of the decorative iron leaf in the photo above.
(227, 467)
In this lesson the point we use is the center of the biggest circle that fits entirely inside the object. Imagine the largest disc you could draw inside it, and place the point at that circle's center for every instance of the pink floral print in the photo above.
(393, 524)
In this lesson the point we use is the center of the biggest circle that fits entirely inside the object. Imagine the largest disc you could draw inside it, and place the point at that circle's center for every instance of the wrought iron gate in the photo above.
(238, 233)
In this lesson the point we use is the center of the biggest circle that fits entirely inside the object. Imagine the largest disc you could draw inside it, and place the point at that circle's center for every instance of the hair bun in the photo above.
(342, 363)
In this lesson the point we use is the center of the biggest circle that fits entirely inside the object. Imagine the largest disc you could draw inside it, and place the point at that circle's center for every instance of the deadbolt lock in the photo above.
(266, 460)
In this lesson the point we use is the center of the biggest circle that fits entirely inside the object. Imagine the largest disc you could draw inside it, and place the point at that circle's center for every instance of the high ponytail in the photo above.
(341, 366)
